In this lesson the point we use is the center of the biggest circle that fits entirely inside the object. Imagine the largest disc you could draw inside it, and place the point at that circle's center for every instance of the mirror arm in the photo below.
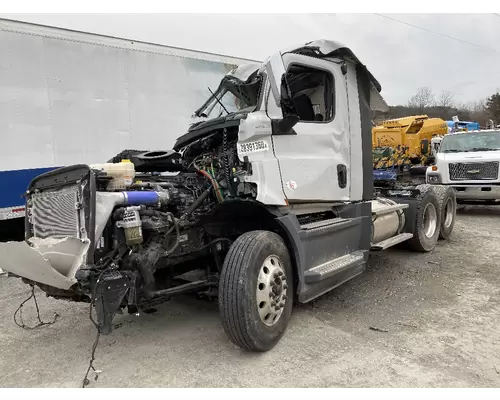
(284, 126)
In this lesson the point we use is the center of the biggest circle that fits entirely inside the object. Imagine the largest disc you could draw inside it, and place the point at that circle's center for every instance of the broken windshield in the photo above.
(466, 142)
(232, 96)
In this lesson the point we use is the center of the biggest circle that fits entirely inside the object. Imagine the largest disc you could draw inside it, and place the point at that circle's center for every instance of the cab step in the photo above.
(326, 226)
(330, 268)
(385, 244)
(321, 224)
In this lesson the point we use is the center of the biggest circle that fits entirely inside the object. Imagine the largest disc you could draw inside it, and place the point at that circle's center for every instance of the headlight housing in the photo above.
(434, 178)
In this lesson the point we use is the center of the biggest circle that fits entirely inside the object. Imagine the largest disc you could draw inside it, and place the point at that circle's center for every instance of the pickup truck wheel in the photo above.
(256, 290)
(448, 205)
(427, 223)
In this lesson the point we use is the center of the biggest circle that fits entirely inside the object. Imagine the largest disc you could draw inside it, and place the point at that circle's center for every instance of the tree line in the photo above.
(444, 106)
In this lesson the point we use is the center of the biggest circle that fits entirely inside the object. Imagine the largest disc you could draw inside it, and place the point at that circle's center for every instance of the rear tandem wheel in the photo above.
(448, 205)
(427, 220)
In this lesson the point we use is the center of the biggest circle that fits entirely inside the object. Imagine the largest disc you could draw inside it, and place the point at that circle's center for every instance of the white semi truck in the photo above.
(68, 97)
(261, 205)
(469, 163)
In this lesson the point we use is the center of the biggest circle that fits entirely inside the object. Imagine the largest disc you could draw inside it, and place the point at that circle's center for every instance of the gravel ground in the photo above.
(437, 316)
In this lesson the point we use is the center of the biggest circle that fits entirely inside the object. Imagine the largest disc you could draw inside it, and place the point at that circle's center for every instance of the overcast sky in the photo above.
(401, 57)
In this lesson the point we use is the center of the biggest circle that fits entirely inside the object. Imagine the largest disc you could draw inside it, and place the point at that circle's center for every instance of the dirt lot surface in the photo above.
(437, 315)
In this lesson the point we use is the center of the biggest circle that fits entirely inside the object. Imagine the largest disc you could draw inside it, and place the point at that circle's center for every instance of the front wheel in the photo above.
(256, 290)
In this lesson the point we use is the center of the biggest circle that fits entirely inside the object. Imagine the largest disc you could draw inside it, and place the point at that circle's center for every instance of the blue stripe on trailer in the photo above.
(13, 184)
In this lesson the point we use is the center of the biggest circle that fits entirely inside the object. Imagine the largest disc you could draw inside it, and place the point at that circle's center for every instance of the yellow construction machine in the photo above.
(405, 141)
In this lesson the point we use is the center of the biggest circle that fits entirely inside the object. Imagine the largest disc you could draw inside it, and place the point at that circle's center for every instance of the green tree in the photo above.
(493, 107)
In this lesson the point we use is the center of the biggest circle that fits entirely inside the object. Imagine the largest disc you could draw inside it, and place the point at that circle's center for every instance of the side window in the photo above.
(312, 93)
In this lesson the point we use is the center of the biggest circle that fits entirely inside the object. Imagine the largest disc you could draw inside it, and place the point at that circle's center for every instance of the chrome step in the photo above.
(385, 244)
(326, 227)
(322, 224)
(330, 268)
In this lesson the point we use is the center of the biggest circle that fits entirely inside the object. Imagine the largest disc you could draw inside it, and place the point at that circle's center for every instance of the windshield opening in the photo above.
(232, 96)
(481, 141)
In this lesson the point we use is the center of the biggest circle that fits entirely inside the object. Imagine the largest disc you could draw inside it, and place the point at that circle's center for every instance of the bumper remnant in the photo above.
(52, 262)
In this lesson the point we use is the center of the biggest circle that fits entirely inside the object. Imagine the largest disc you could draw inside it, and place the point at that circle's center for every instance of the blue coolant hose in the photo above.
(141, 198)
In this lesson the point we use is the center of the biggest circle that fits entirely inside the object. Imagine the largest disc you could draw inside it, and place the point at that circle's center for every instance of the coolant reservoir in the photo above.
(123, 174)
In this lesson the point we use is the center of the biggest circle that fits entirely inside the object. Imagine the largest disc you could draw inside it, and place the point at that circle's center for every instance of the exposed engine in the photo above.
(144, 225)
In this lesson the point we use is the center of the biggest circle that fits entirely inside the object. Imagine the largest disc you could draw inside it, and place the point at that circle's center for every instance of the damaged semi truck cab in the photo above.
(266, 201)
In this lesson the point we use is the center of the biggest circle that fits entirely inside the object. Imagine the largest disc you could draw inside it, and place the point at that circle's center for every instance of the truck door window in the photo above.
(312, 93)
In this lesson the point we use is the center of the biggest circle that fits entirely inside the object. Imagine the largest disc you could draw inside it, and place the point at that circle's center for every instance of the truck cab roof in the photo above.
(329, 48)
(246, 74)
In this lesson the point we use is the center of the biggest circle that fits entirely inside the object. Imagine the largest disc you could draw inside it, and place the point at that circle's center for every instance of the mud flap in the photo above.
(111, 288)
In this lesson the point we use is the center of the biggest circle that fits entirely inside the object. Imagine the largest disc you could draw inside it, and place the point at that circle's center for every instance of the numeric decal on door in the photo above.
(253, 147)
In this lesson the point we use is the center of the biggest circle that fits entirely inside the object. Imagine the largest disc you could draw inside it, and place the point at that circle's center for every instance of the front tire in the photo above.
(256, 291)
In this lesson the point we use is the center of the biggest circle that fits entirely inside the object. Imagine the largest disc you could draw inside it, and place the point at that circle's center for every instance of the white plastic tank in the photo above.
(123, 174)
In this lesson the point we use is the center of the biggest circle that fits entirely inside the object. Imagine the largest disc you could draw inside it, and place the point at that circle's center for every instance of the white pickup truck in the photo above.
(469, 162)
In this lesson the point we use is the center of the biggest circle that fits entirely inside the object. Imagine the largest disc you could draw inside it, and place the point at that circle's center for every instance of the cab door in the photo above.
(314, 154)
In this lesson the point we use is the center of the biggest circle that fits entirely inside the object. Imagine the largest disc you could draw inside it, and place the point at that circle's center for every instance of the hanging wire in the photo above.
(20, 323)
(86, 381)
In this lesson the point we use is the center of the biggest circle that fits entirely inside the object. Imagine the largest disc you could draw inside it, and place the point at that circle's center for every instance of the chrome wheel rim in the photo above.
(430, 220)
(271, 292)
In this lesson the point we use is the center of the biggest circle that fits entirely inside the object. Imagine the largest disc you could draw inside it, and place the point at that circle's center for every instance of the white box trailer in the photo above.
(68, 97)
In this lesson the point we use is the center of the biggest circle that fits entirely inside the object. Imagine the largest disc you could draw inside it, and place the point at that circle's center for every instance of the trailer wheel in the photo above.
(256, 290)
(448, 205)
(427, 223)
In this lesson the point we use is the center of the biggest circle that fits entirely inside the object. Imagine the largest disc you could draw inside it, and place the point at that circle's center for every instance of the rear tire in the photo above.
(427, 221)
(256, 291)
(448, 206)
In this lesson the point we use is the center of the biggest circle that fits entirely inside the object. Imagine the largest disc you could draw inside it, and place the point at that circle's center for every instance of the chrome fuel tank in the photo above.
(386, 220)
